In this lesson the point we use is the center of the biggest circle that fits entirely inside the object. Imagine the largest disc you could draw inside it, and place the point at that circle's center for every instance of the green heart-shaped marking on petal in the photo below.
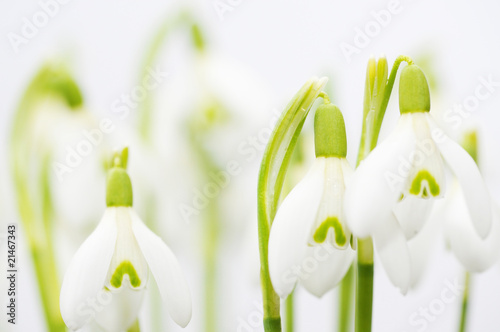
(416, 185)
(322, 231)
(125, 267)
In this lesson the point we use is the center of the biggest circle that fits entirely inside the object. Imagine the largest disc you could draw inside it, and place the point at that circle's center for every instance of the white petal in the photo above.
(324, 267)
(470, 179)
(422, 245)
(121, 310)
(92, 327)
(85, 277)
(412, 213)
(392, 249)
(377, 183)
(291, 227)
(426, 161)
(474, 253)
(166, 271)
(332, 206)
(127, 250)
(347, 171)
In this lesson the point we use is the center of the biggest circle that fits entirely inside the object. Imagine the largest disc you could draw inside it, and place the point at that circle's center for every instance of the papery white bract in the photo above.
(309, 239)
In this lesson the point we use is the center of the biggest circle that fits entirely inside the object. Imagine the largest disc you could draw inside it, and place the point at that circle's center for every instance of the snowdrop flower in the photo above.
(473, 252)
(476, 254)
(393, 189)
(309, 239)
(108, 275)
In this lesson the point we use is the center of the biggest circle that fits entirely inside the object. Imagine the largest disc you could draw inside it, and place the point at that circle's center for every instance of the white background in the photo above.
(283, 43)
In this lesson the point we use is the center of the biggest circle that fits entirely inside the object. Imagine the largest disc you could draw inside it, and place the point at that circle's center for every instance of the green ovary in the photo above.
(125, 267)
(416, 185)
(322, 231)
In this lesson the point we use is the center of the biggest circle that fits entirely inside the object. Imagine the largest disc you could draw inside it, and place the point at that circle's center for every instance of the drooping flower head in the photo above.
(475, 253)
(108, 275)
(394, 188)
(309, 239)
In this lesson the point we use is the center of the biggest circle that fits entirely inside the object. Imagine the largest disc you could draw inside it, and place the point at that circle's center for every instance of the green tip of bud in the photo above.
(118, 184)
(413, 91)
(329, 132)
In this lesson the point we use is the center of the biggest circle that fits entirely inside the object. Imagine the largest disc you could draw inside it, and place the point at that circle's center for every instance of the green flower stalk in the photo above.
(391, 197)
(310, 224)
(465, 303)
(296, 164)
(34, 197)
(172, 24)
(198, 130)
(182, 20)
(271, 177)
(483, 258)
(378, 90)
(346, 300)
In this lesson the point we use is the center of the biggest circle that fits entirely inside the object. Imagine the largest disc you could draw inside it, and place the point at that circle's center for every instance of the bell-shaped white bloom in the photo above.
(393, 189)
(474, 253)
(309, 239)
(107, 276)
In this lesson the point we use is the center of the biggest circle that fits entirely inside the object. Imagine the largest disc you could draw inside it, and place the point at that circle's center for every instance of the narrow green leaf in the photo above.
(272, 174)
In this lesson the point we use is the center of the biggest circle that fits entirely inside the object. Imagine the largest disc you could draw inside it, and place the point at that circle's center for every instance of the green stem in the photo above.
(46, 264)
(36, 214)
(289, 316)
(211, 227)
(470, 144)
(38, 231)
(465, 303)
(364, 286)
(377, 95)
(146, 107)
(211, 240)
(151, 220)
(271, 177)
(171, 24)
(295, 163)
(135, 327)
(346, 297)
(385, 100)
